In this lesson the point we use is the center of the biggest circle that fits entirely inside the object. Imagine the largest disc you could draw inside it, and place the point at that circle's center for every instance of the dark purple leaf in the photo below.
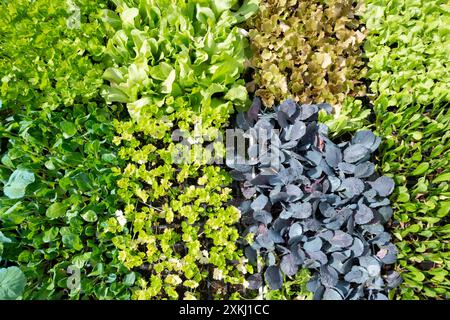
(363, 215)
(307, 111)
(274, 277)
(318, 256)
(352, 187)
(270, 259)
(335, 183)
(288, 266)
(373, 228)
(253, 112)
(380, 296)
(301, 211)
(367, 139)
(357, 247)
(241, 121)
(355, 153)
(294, 192)
(262, 216)
(386, 213)
(383, 186)
(237, 175)
(295, 231)
(264, 241)
(326, 235)
(248, 192)
(357, 275)
(313, 245)
(296, 169)
(384, 202)
(275, 237)
(333, 155)
(314, 156)
(298, 130)
(325, 106)
(331, 294)
(328, 276)
(341, 239)
(347, 168)
(251, 255)
(255, 281)
(259, 203)
(288, 107)
(371, 264)
(393, 280)
(364, 169)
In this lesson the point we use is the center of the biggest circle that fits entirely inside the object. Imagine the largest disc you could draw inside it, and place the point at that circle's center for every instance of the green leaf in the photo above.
(109, 157)
(203, 14)
(128, 16)
(442, 177)
(161, 71)
(421, 169)
(249, 8)
(113, 75)
(56, 210)
(237, 93)
(72, 241)
(68, 128)
(50, 235)
(416, 275)
(166, 86)
(83, 182)
(222, 5)
(17, 183)
(89, 216)
(12, 283)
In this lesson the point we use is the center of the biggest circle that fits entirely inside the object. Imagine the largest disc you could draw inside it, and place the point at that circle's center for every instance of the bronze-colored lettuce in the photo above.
(308, 50)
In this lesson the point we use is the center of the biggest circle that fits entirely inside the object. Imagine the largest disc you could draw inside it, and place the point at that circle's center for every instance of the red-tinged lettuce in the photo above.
(307, 50)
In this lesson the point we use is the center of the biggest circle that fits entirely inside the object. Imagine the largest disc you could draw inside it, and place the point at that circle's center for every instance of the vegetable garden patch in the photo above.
(224, 149)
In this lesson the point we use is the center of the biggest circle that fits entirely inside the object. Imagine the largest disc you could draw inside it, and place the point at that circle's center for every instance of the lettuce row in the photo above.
(307, 50)
(407, 47)
(176, 66)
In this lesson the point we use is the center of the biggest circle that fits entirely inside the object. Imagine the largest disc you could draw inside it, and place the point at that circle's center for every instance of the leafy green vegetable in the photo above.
(407, 47)
(408, 52)
(308, 50)
(176, 65)
(56, 152)
(56, 210)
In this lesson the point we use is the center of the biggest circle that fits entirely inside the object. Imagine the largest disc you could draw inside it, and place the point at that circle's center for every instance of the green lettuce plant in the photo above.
(408, 47)
(176, 66)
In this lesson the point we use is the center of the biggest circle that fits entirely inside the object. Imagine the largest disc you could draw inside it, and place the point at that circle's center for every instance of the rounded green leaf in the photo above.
(421, 169)
(89, 216)
(68, 129)
(56, 210)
